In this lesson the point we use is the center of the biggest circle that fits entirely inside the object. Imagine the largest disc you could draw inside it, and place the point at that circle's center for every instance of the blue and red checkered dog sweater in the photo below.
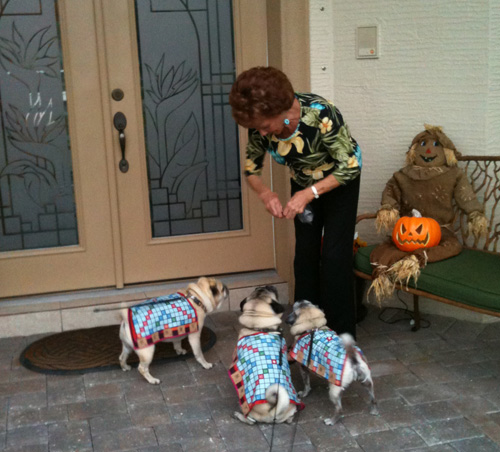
(161, 318)
(327, 357)
(256, 366)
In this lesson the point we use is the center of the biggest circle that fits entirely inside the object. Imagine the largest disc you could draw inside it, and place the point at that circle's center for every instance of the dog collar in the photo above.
(267, 330)
(199, 303)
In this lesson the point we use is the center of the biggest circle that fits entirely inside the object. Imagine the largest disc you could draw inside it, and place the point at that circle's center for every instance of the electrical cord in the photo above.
(409, 314)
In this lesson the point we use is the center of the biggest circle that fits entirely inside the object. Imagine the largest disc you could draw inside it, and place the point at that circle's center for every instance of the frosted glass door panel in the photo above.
(187, 69)
(37, 204)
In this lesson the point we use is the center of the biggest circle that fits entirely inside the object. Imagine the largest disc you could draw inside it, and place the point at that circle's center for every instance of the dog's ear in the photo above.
(273, 290)
(242, 304)
(278, 308)
(202, 280)
(214, 289)
(259, 291)
(292, 318)
(303, 304)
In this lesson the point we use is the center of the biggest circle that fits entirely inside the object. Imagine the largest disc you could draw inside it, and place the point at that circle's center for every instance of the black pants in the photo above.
(323, 272)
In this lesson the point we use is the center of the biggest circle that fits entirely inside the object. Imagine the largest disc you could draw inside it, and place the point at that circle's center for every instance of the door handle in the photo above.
(120, 122)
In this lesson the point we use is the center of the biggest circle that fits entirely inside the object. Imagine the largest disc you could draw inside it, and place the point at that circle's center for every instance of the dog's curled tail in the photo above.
(349, 344)
(277, 396)
(354, 356)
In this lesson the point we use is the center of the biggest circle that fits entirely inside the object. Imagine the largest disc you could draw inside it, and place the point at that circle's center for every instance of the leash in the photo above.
(295, 430)
(310, 348)
(281, 338)
(280, 332)
(109, 309)
(308, 361)
(193, 298)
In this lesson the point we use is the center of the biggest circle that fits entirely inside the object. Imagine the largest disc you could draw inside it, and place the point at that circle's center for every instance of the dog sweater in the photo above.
(256, 366)
(327, 357)
(161, 318)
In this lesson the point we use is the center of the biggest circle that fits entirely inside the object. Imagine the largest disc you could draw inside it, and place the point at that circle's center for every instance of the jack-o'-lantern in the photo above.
(412, 233)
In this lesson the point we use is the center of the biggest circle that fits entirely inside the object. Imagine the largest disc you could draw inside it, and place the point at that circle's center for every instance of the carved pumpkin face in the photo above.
(429, 152)
(412, 233)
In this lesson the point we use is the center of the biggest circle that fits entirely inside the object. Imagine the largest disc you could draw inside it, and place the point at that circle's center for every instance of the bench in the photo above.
(470, 280)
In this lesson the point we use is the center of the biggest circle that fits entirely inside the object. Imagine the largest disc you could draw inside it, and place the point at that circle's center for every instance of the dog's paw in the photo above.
(374, 410)
(245, 420)
(332, 420)
(207, 365)
(126, 367)
(181, 351)
(154, 381)
(304, 393)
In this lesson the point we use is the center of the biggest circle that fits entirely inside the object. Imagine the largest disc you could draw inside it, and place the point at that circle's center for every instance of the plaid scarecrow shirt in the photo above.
(321, 145)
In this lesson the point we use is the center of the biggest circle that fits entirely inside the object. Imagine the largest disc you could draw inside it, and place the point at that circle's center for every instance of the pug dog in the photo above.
(169, 319)
(260, 372)
(320, 350)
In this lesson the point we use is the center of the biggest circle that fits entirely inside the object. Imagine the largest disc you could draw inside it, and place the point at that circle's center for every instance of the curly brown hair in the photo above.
(260, 92)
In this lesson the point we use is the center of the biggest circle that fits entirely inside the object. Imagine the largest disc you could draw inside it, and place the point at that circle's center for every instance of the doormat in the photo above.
(95, 349)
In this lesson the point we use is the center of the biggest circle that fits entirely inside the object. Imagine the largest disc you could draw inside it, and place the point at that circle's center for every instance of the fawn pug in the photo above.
(169, 319)
(260, 371)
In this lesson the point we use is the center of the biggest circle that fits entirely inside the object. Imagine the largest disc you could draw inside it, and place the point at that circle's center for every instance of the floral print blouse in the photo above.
(321, 145)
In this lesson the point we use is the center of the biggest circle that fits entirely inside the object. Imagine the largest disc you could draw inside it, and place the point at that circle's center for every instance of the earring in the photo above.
(286, 121)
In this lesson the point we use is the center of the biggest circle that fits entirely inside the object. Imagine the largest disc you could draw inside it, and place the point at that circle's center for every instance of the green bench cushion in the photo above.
(472, 277)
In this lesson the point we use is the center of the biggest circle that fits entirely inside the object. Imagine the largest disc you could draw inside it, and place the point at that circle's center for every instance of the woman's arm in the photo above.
(268, 197)
(300, 199)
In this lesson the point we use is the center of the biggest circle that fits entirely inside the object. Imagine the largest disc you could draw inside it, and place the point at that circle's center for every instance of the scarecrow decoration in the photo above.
(428, 183)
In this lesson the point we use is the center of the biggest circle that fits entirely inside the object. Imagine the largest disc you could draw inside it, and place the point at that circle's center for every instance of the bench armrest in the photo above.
(365, 216)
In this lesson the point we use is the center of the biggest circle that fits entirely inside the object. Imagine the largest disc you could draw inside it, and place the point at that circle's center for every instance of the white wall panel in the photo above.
(321, 37)
(439, 64)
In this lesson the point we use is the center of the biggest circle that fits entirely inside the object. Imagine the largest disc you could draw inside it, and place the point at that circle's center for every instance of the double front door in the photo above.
(120, 162)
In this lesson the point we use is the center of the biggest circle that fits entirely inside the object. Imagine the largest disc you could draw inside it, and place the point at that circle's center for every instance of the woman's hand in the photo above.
(268, 197)
(272, 203)
(298, 203)
(300, 199)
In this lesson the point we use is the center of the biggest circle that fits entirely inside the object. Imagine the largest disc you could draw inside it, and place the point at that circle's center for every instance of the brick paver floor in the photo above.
(438, 390)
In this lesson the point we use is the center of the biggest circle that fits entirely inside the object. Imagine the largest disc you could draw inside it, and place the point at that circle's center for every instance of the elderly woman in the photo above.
(308, 134)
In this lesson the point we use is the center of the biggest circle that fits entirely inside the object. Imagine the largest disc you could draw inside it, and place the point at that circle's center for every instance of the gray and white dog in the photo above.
(319, 349)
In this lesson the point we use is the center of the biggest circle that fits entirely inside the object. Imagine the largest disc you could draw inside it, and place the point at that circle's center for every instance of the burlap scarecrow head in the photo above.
(432, 148)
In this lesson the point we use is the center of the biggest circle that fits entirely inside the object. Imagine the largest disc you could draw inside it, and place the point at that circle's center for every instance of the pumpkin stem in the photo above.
(416, 213)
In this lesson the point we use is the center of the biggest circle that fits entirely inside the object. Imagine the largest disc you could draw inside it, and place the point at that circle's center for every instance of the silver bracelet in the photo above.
(315, 192)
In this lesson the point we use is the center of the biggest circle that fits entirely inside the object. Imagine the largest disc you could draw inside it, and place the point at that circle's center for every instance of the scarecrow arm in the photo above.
(467, 201)
(465, 197)
(388, 214)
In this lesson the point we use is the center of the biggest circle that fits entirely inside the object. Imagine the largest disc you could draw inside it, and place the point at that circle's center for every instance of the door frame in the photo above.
(287, 35)
(249, 56)
(290, 17)
(288, 31)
